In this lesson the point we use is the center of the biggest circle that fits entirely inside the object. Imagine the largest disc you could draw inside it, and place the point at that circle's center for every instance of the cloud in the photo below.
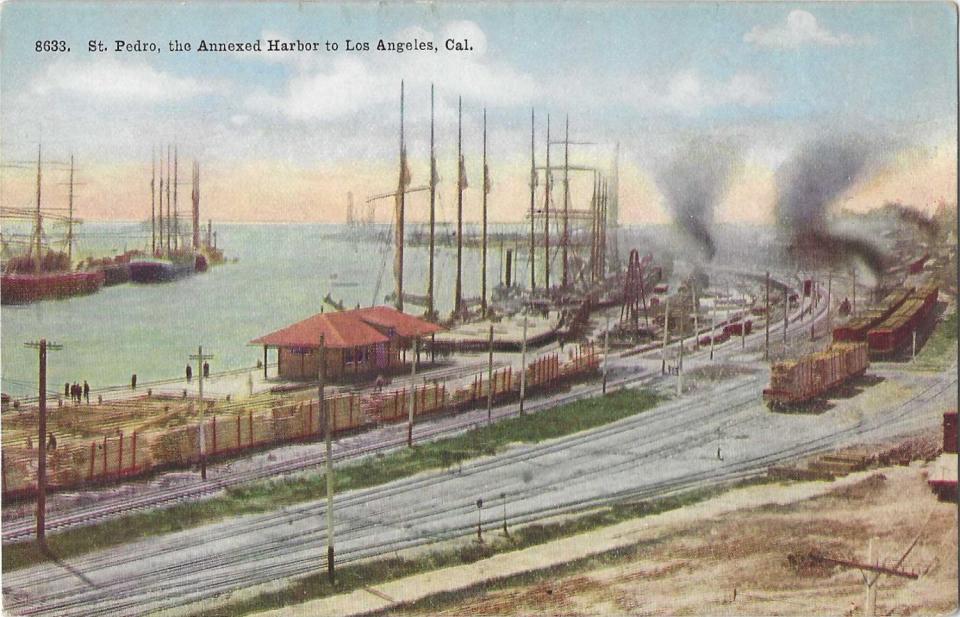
(351, 85)
(108, 79)
(689, 93)
(801, 28)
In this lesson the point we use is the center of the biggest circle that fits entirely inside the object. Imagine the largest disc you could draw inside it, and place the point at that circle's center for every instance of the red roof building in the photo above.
(356, 342)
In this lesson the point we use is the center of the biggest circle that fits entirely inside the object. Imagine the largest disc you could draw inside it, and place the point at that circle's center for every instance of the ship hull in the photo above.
(26, 288)
(158, 271)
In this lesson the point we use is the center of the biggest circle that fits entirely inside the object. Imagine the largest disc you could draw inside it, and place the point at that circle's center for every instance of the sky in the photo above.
(285, 136)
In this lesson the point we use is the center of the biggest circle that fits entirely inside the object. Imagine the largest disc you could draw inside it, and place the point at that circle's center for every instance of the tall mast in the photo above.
(433, 212)
(533, 191)
(160, 209)
(176, 218)
(153, 201)
(39, 221)
(566, 199)
(458, 293)
(614, 209)
(594, 226)
(168, 197)
(400, 202)
(195, 198)
(486, 189)
(70, 218)
(546, 213)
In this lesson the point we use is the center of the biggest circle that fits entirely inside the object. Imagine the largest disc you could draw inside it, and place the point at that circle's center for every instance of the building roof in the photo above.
(347, 329)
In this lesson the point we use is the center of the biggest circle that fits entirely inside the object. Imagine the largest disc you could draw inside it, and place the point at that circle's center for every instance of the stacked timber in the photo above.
(794, 382)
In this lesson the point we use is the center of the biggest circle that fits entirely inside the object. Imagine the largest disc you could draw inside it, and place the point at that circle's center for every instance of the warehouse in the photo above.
(360, 342)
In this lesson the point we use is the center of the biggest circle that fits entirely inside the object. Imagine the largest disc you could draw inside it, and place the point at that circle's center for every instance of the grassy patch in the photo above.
(268, 495)
(379, 571)
(939, 350)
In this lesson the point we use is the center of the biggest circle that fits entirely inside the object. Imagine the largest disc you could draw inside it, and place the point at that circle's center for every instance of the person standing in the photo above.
(86, 391)
(189, 373)
(206, 370)
(66, 389)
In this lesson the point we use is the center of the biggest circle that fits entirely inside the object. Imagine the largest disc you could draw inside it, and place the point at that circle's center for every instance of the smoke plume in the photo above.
(819, 173)
(693, 182)
(927, 226)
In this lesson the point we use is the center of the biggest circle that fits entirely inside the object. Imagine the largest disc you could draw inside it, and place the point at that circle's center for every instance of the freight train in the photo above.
(894, 334)
(794, 382)
(856, 329)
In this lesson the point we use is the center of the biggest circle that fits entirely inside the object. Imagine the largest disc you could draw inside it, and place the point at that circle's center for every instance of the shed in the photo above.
(357, 342)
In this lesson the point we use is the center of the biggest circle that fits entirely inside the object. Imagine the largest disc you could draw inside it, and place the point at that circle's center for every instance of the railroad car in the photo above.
(893, 335)
(857, 328)
(794, 382)
(734, 329)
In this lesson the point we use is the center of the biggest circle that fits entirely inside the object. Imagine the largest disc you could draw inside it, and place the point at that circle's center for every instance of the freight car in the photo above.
(795, 382)
(736, 329)
(891, 337)
(857, 328)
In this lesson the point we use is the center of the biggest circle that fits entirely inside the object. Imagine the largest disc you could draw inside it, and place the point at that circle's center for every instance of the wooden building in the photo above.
(361, 342)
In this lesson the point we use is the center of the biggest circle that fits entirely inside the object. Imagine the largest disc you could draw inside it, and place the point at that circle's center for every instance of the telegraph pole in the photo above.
(566, 199)
(490, 377)
(327, 419)
(666, 334)
(433, 213)
(70, 218)
(766, 347)
(413, 391)
(42, 346)
(200, 358)
(713, 324)
(523, 364)
(606, 348)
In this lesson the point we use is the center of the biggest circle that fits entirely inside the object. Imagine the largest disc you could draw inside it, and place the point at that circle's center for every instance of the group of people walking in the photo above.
(77, 392)
(206, 371)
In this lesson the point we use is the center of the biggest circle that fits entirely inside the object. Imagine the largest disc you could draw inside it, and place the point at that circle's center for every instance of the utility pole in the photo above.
(766, 347)
(680, 362)
(413, 392)
(713, 325)
(486, 189)
(200, 358)
(327, 419)
(548, 181)
(666, 336)
(490, 378)
(786, 316)
(523, 364)
(42, 346)
(606, 349)
(533, 194)
(829, 300)
(461, 184)
(696, 315)
(431, 313)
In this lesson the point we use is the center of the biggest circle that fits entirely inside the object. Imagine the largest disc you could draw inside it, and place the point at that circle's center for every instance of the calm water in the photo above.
(282, 275)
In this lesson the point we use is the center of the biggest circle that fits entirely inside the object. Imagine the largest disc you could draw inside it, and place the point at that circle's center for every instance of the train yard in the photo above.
(670, 449)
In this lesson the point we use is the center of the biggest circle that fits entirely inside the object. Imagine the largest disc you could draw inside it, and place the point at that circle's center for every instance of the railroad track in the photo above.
(157, 582)
(23, 529)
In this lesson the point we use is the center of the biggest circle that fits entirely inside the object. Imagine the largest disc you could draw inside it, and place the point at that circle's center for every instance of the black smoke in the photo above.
(693, 182)
(819, 173)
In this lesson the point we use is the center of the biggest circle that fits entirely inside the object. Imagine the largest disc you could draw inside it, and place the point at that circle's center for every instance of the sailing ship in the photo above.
(43, 273)
(176, 258)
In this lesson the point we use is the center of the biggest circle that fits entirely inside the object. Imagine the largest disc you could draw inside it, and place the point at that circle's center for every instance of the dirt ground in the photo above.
(755, 561)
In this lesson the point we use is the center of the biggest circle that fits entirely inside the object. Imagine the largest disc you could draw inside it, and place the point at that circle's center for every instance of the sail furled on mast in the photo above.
(487, 182)
(463, 174)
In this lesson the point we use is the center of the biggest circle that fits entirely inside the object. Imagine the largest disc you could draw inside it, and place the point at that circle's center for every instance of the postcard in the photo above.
(478, 308)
